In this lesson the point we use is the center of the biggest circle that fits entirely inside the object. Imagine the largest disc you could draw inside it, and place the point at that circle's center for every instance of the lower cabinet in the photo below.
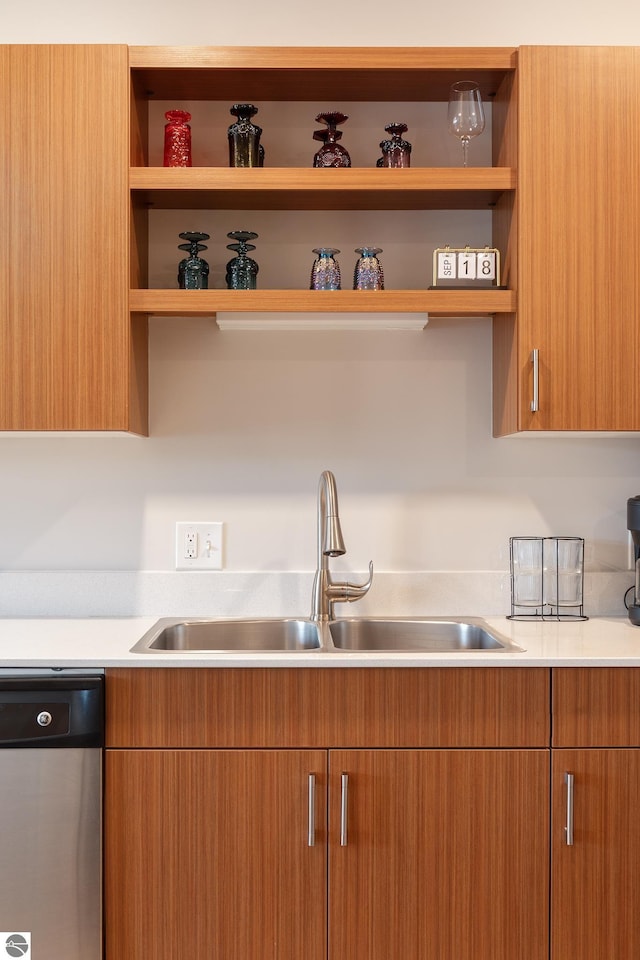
(381, 854)
(595, 815)
(373, 814)
(207, 855)
(438, 855)
(596, 854)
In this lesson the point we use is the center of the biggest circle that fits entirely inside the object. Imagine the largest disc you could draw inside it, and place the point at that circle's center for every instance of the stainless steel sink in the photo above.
(436, 635)
(179, 636)
(290, 635)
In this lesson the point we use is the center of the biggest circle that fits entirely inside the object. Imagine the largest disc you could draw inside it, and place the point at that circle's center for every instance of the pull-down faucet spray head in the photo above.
(329, 531)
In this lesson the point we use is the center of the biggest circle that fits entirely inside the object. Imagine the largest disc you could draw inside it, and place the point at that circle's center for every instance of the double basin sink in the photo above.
(402, 635)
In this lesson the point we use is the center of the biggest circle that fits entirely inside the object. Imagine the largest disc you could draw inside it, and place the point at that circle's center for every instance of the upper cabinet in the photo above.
(330, 77)
(568, 361)
(70, 359)
(90, 217)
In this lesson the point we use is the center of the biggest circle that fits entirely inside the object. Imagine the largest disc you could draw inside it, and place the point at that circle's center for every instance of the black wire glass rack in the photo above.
(547, 578)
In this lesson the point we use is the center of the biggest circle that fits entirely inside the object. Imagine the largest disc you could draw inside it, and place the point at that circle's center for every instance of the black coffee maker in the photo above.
(633, 525)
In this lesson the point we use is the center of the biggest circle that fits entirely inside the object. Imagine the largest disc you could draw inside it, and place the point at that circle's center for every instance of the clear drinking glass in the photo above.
(526, 559)
(563, 571)
(466, 114)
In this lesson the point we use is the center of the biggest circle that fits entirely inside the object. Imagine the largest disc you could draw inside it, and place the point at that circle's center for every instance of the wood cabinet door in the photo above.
(70, 359)
(578, 232)
(595, 706)
(595, 902)
(445, 855)
(207, 855)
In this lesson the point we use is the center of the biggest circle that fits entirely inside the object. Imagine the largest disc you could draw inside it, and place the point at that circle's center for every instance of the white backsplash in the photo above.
(124, 593)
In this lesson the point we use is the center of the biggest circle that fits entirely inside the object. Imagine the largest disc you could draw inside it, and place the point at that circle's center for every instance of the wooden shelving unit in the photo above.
(286, 74)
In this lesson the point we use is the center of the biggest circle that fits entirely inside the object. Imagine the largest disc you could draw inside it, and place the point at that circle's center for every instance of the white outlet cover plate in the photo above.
(208, 545)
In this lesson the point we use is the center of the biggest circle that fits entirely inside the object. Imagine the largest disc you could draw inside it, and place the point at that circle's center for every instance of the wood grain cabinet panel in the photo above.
(595, 905)
(326, 707)
(578, 210)
(596, 706)
(446, 855)
(71, 358)
(596, 880)
(207, 855)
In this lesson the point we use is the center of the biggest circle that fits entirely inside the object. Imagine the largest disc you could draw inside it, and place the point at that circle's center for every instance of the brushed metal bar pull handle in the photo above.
(535, 403)
(311, 830)
(568, 830)
(343, 808)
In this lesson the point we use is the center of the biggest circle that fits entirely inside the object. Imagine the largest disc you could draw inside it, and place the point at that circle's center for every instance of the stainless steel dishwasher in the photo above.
(51, 738)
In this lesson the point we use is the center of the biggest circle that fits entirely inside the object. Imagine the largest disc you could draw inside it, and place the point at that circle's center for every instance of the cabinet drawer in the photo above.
(596, 706)
(325, 707)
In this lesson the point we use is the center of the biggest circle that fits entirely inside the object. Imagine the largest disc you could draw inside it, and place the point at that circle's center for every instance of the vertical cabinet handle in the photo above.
(535, 403)
(311, 830)
(343, 809)
(568, 830)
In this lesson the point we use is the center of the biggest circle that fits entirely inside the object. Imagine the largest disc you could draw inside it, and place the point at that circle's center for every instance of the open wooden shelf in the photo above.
(442, 303)
(353, 188)
(257, 74)
(326, 75)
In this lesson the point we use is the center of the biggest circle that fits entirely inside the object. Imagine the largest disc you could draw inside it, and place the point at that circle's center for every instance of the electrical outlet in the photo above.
(190, 545)
(199, 546)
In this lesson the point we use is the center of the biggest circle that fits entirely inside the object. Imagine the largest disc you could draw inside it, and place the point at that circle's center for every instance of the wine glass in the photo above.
(466, 114)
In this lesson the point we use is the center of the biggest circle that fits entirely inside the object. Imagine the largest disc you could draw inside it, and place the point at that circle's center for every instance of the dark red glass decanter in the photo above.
(177, 139)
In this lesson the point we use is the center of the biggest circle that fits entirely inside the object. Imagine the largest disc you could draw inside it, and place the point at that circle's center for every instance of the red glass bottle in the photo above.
(177, 139)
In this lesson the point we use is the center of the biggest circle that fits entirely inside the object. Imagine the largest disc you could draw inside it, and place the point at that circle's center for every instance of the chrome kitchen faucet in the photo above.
(331, 544)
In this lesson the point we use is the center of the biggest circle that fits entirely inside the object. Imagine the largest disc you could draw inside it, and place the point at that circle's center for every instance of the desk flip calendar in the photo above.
(466, 267)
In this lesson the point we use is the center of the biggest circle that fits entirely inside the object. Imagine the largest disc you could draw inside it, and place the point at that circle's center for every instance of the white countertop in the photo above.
(101, 642)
